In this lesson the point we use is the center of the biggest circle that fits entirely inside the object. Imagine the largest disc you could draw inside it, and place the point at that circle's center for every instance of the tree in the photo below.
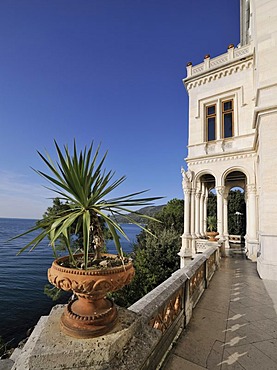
(211, 206)
(236, 211)
(155, 256)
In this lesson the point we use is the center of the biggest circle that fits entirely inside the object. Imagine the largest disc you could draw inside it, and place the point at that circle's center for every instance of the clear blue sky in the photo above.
(104, 70)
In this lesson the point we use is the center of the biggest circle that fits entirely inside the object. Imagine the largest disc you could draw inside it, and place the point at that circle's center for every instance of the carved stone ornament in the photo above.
(187, 178)
(168, 313)
(91, 314)
(251, 188)
(220, 190)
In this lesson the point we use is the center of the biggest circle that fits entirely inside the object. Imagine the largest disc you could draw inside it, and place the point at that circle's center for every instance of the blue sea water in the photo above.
(22, 278)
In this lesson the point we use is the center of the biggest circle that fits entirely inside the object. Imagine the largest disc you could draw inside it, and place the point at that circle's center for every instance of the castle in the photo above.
(233, 137)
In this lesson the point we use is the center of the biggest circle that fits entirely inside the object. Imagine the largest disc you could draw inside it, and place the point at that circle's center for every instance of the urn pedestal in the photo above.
(91, 314)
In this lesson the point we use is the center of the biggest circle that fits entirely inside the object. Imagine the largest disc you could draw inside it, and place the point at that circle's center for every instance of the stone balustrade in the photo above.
(168, 308)
(221, 60)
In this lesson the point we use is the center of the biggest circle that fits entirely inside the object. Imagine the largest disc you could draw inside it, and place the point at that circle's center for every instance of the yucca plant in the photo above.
(81, 181)
(211, 223)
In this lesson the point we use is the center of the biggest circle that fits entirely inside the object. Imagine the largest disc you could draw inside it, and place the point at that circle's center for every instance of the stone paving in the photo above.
(234, 325)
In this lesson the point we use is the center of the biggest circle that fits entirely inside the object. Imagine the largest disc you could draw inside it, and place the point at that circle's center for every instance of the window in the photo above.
(211, 122)
(227, 118)
(219, 120)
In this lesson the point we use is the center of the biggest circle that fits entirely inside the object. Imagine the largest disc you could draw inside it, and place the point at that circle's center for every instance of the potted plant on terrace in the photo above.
(81, 181)
(211, 228)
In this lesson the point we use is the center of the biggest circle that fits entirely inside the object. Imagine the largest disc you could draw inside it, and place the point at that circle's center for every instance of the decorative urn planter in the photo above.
(212, 235)
(91, 314)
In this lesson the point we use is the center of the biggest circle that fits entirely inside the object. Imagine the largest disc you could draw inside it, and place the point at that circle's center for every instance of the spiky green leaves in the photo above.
(81, 180)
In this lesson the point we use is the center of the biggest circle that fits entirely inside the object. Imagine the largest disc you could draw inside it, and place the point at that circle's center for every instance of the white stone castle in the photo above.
(233, 137)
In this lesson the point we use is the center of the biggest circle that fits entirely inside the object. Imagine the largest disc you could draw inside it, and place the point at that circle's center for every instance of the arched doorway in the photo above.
(236, 220)
(208, 182)
(235, 209)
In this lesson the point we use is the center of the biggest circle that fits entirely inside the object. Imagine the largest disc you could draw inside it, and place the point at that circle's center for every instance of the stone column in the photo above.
(251, 224)
(202, 197)
(205, 211)
(187, 193)
(219, 199)
(186, 249)
(192, 214)
(197, 213)
(192, 221)
(225, 218)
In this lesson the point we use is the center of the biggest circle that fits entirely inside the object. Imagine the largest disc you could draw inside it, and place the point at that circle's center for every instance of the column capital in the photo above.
(198, 194)
(251, 188)
(220, 189)
(187, 178)
(187, 191)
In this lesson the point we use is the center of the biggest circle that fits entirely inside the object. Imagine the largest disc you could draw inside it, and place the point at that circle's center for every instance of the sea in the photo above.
(23, 277)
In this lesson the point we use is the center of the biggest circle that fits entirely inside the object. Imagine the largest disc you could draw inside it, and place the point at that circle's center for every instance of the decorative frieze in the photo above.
(220, 159)
(219, 74)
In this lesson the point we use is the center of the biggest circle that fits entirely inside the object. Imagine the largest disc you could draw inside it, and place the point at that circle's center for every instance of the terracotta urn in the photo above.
(212, 235)
(91, 314)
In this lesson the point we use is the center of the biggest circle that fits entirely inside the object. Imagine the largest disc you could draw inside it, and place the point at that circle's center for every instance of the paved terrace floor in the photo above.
(234, 325)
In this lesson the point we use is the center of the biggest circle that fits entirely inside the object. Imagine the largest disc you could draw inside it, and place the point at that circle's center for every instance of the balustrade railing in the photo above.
(210, 63)
(168, 308)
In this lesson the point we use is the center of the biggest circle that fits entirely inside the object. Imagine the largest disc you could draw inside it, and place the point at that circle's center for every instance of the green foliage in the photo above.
(82, 184)
(155, 256)
(236, 211)
(53, 292)
(136, 216)
(211, 223)
(59, 207)
(211, 206)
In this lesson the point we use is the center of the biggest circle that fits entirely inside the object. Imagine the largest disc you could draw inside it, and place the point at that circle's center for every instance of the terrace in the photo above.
(214, 313)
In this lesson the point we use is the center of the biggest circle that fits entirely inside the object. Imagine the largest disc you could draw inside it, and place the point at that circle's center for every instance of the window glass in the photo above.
(211, 110)
(211, 122)
(228, 125)
(227, 105)
(227, 118)
(211, 128)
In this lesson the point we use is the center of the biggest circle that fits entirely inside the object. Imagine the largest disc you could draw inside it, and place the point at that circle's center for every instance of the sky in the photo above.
(107, 71)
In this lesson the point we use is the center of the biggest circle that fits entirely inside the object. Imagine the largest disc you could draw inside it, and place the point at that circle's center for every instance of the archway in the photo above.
(235, 214)
(208, 183)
